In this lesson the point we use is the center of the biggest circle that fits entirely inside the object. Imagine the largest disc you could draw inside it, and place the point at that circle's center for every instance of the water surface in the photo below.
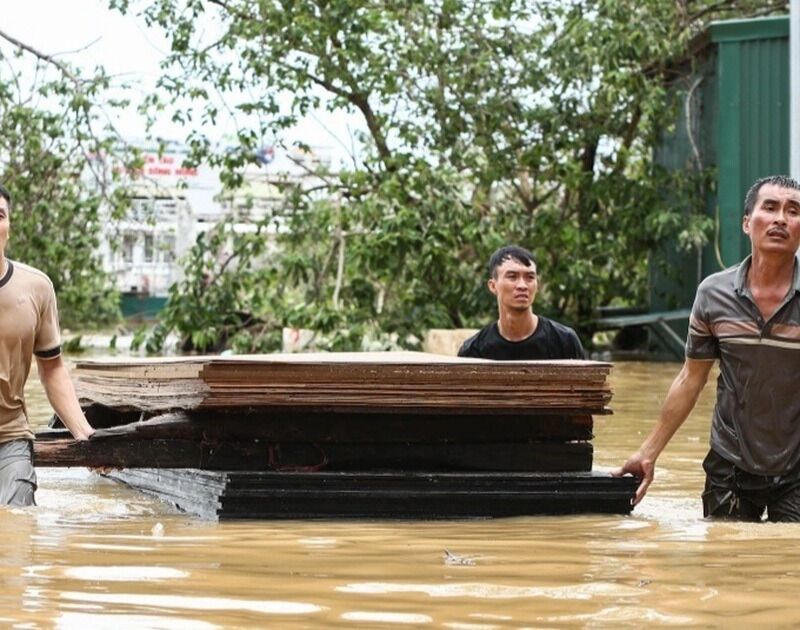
(95, 554)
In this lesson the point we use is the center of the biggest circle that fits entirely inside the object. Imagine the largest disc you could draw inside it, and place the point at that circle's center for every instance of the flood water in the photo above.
(95, 554)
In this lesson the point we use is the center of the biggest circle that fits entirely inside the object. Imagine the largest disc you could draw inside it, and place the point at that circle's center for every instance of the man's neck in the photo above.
(3, 266)
(775, 271)
(517, 325)
(770, 280)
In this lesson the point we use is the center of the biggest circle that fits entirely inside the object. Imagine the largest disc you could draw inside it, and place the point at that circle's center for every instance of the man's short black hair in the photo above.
(782, 181)
(509, 251)
(5, 195)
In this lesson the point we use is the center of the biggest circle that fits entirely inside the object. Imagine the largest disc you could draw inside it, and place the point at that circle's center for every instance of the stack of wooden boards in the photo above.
(355, 381)
(366, 430)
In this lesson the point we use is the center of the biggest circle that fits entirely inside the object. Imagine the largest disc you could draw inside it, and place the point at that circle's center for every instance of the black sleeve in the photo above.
(469, 348)
(576, 350)
(50, 353)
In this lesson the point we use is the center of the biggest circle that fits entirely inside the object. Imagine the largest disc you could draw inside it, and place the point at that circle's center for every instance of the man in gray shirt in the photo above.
(748, 318)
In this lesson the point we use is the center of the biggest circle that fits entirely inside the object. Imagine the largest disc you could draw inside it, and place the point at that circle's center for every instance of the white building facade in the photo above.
(172, 204)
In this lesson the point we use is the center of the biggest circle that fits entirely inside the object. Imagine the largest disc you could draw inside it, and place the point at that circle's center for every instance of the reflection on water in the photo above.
(95, 554)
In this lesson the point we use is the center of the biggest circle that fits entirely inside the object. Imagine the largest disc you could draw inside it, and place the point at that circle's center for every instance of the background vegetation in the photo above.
(55, 149)
(485, 122)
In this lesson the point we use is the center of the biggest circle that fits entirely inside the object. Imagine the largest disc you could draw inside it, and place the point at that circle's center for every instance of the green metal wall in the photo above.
(741, 122)
(674, 273)
(753, 126)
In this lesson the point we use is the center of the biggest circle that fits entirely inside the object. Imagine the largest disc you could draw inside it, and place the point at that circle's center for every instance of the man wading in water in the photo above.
(748, 318)
(519, 334)
(28, 327)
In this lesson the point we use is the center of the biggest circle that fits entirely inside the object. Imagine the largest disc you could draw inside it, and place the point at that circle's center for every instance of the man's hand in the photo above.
(641, 467)
(680, 400)
(84, 436)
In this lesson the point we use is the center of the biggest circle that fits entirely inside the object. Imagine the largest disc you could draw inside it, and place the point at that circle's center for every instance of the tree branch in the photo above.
(82, 111)
(44, 57)
(361, 101)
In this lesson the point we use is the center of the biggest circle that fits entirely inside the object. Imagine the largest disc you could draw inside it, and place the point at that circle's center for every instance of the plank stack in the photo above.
(391, 381)
(365, 430)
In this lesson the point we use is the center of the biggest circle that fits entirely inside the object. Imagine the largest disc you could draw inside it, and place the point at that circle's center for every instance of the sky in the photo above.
(54, 26)
(86, 34)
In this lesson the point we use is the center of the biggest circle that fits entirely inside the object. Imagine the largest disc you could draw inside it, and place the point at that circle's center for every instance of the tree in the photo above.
(484, 122)
(54, 149)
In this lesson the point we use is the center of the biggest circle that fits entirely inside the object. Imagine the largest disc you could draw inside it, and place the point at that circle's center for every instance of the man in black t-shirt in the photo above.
(518, 333)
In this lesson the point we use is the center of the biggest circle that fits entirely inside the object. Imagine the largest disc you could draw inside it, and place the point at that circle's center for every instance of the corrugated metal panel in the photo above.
(753, 125)
(765, 104)
(776, 26)
(743, 132)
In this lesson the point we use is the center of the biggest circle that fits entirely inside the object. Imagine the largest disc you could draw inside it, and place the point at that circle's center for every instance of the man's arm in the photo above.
(61, 394)
(681, 399)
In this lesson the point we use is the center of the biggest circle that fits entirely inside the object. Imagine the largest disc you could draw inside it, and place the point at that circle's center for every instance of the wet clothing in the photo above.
(732, 493)
(756, 422)
(28, 326)
(17, 476)
(549, 341)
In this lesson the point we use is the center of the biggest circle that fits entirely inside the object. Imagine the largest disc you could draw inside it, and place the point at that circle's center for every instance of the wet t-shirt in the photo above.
(756, 423)
(28, 326)
(550, 341)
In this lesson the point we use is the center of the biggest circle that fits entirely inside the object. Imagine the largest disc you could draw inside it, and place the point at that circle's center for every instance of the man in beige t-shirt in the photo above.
(28, 328)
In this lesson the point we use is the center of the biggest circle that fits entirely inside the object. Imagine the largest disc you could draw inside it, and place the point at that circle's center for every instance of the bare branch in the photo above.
(731, 5)
(82, 111)
(77, 50)
(43, 56)
(310, 171)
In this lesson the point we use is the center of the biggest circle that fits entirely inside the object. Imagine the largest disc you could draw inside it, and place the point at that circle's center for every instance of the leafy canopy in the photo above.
(54, 142)
(482, 122)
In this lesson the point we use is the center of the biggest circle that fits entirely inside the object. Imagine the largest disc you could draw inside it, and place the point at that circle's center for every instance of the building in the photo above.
(172, 204)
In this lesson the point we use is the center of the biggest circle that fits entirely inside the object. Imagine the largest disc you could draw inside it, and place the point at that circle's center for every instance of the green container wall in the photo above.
(675, 273)
(753, 126)
(741, 127)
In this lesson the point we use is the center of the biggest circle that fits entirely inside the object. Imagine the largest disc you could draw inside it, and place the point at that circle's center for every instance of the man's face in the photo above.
(774, 223)
(515, 285)
(4, 225)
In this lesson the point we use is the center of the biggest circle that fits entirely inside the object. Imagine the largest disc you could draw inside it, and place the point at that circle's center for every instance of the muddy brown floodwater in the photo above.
(95, 554)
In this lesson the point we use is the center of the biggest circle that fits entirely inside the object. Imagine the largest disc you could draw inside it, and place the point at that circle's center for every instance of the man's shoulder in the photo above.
(27, 280)
(558, 327)
(721, 280)
(563, 340)
(471, 345)
(30, 274)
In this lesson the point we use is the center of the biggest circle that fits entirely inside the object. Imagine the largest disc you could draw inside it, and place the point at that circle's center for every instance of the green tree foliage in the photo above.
(484, 122)
(52, 146)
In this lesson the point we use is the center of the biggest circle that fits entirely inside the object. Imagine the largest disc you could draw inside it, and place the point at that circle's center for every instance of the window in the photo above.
(148, 248)
(128, 245)
(168, 248)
